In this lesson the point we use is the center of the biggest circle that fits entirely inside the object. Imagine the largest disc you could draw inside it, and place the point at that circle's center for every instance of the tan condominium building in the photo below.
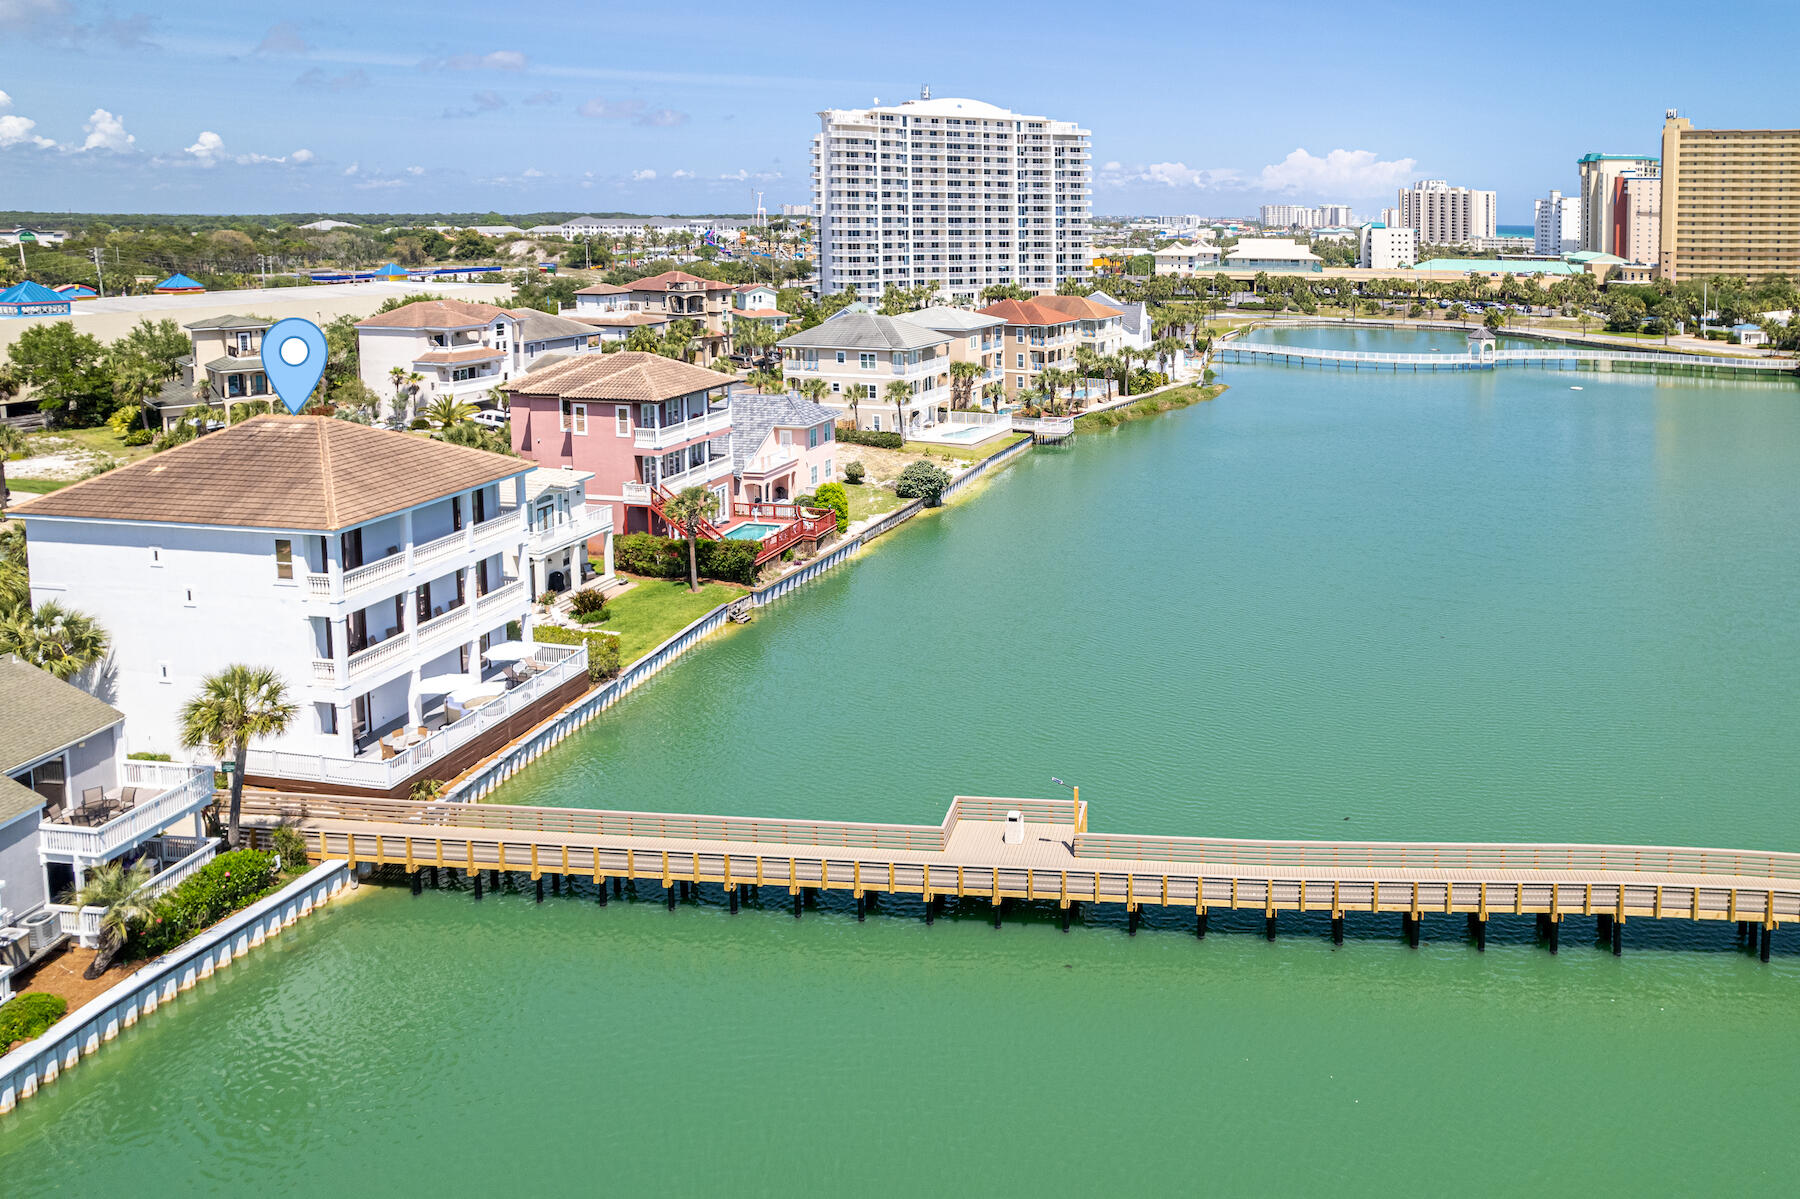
(1730, 201)
(1445, 215)
(957, 194)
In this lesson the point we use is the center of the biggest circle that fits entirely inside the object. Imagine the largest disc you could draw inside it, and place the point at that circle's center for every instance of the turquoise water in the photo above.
(1326, 604)
(751, 532)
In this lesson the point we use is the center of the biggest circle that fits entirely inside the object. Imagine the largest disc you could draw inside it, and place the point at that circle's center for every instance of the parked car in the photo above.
(492, 418)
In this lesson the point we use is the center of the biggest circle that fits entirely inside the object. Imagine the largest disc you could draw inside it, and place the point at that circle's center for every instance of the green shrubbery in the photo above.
(666, 558)
(139, 437)
(230, 881)
(881, 441)
(602, 647)
(147, 756)
(834, 497)
(854, 472)
(586, 603)
(921, 480)
(594, 617)
(25, 1017)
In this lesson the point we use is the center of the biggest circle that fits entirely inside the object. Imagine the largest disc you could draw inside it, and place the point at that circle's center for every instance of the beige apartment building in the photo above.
(1603, 179)
(954, 193)
(1445, 215)
(1045, 333)
(1730, 201)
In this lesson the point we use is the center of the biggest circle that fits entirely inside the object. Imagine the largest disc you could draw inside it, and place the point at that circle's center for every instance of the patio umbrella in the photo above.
(509, 651)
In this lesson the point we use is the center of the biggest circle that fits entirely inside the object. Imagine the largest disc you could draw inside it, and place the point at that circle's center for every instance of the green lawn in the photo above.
(656, 609)
(101, 440)
(966, 453)
(868, 500)
(35, 486)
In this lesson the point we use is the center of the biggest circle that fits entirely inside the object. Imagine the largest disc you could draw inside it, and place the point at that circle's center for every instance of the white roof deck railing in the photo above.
(181, 790)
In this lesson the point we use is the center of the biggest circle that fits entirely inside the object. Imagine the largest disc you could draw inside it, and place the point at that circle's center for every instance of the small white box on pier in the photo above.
(1015, 828)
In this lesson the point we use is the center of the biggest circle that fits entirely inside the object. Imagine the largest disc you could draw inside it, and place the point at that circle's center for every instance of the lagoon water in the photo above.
(1327, 604)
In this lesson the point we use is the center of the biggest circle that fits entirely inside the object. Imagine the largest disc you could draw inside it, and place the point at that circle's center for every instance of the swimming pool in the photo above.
(751, 532)
(967, 433)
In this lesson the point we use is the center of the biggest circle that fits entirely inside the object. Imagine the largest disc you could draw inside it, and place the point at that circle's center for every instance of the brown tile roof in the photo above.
(1079, 307)
(1048, 310)
(670, 279)
(280, 472)
(627, 375)
(451, 357)
(603, 289)
(433, 314)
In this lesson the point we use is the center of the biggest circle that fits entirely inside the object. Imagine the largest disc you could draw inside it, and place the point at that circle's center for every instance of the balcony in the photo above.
(391, 573)
(582, 525)
(151, 797)
(708, 424)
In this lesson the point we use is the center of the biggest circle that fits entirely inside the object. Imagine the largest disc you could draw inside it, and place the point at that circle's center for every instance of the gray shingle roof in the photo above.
(42, 714)
(752, 416)
(866, 331)
(230, 322)
(952, 320)
(537, 325)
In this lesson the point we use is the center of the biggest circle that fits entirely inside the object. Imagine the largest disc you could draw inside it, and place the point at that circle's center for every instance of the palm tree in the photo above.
(448, 410)
(857, 393)
(12, 441)
(994, 392)
(962, 383)
(1165, 349)
(15, 578)
(234, 707)
(643, 341)
(414, 382)
(690, 508)
(898, 393)
(763, 380)
(397, 376)
(53, 638)
(125, 896)
(815, 390)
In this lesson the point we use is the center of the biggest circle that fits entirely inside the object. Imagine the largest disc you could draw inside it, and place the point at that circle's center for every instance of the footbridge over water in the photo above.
(1041, 851)
(1568, 357)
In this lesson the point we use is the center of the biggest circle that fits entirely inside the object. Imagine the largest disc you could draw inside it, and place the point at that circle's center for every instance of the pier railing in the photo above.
(1425, 855)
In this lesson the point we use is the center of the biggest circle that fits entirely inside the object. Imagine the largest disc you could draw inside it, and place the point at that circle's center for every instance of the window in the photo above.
(622, 420)
(866, 360)
(837, 387)
(155, 556)
(828, 472)
(877, 426)
(785, 437)
(162, 673)
(830, 433)
(328, 723)
(573, 418)
(1019, 336)
(1021, 358)
(284, 558)
(812, 438)
(815, 476)
(840, 357)
(243, 343)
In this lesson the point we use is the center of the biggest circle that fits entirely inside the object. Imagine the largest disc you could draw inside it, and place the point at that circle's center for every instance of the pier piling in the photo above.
(669, 896)
(1555, 935)
(1065, 919)
(540, 888)
(1618, 936)
(1269, 925)
(1768, 936)
(493, 880)
(600, 892)
(1200, 925)
(799, 902)
(733, 893)
(998, 904)
(418, 882)
(556, 884)
(478, 884)
(1131, 922)
(1337, 929)
(862, 907)
(618, 885)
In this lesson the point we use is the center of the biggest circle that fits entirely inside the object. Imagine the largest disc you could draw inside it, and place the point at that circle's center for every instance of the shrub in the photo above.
(603, 648)
(290, 846)
(426, 790)
(139, 437)
(921, 480)
(25, 1017)
(666, 558)
(646, 554)
(584, 602)
(146, 756)
(833, 496)
(419, 422)
(881, 441)
(854, 472)
(548, 598)
(594, 617)
(222, 886)
(1145, 380)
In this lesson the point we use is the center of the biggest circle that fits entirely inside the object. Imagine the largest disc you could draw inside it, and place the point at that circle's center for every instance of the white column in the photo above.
(473, 674)
(406, 538)
(415, 702)
(608, 556)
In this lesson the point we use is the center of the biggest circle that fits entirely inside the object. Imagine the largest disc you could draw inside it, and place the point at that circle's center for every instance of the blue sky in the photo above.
(610, 106)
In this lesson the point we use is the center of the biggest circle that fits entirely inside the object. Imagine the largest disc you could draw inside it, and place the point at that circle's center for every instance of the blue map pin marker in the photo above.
(293, 354)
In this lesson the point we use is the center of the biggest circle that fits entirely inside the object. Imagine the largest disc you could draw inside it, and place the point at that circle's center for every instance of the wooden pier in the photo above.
(1055, 859)
(1566, 357)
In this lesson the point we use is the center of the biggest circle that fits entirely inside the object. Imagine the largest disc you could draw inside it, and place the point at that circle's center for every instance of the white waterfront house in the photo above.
(564, 529)
(1381, 248)
(856, 350)
(370, 569)
(461, 349)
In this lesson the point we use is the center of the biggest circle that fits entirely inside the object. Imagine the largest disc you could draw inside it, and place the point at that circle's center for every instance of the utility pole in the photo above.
(99, 275)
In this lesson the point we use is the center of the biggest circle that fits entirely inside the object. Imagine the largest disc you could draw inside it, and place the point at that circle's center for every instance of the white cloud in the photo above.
(372, 184)
(742, 176)
(353, 168)
(106, 132)
(5, 100)
(643, 175)
(302, 156)
(1171, 175)
(498, 60)
(531, 173)
(663, 118)
(415, 170)
(1341, 173)
(16, 131)
(209, 148)
(680, 173)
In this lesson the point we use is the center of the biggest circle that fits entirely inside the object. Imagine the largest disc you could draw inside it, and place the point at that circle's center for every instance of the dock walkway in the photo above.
(1057, 859)
(1572, 357)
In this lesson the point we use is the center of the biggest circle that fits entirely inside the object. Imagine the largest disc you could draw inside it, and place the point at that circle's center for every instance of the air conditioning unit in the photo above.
(44, 927)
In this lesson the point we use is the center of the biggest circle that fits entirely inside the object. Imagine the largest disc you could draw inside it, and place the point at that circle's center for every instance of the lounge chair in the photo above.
(54, 810)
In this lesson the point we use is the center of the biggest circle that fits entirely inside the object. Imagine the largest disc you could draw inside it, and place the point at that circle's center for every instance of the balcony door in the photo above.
(350, 549)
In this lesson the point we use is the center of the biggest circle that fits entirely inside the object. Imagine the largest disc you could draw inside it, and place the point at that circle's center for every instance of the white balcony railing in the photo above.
(560, 664)
(636, 493)
(500, 597)
(582, 525)
(707, 424)
(368, 575)
(366, 661)
(181, 790)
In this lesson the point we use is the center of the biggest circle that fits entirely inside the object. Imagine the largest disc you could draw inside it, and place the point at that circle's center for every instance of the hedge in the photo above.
(834, 497)
(882, 441)
(230, 881)
(921, 480)
(25, 1017)
(603, 647)
(667, 558)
